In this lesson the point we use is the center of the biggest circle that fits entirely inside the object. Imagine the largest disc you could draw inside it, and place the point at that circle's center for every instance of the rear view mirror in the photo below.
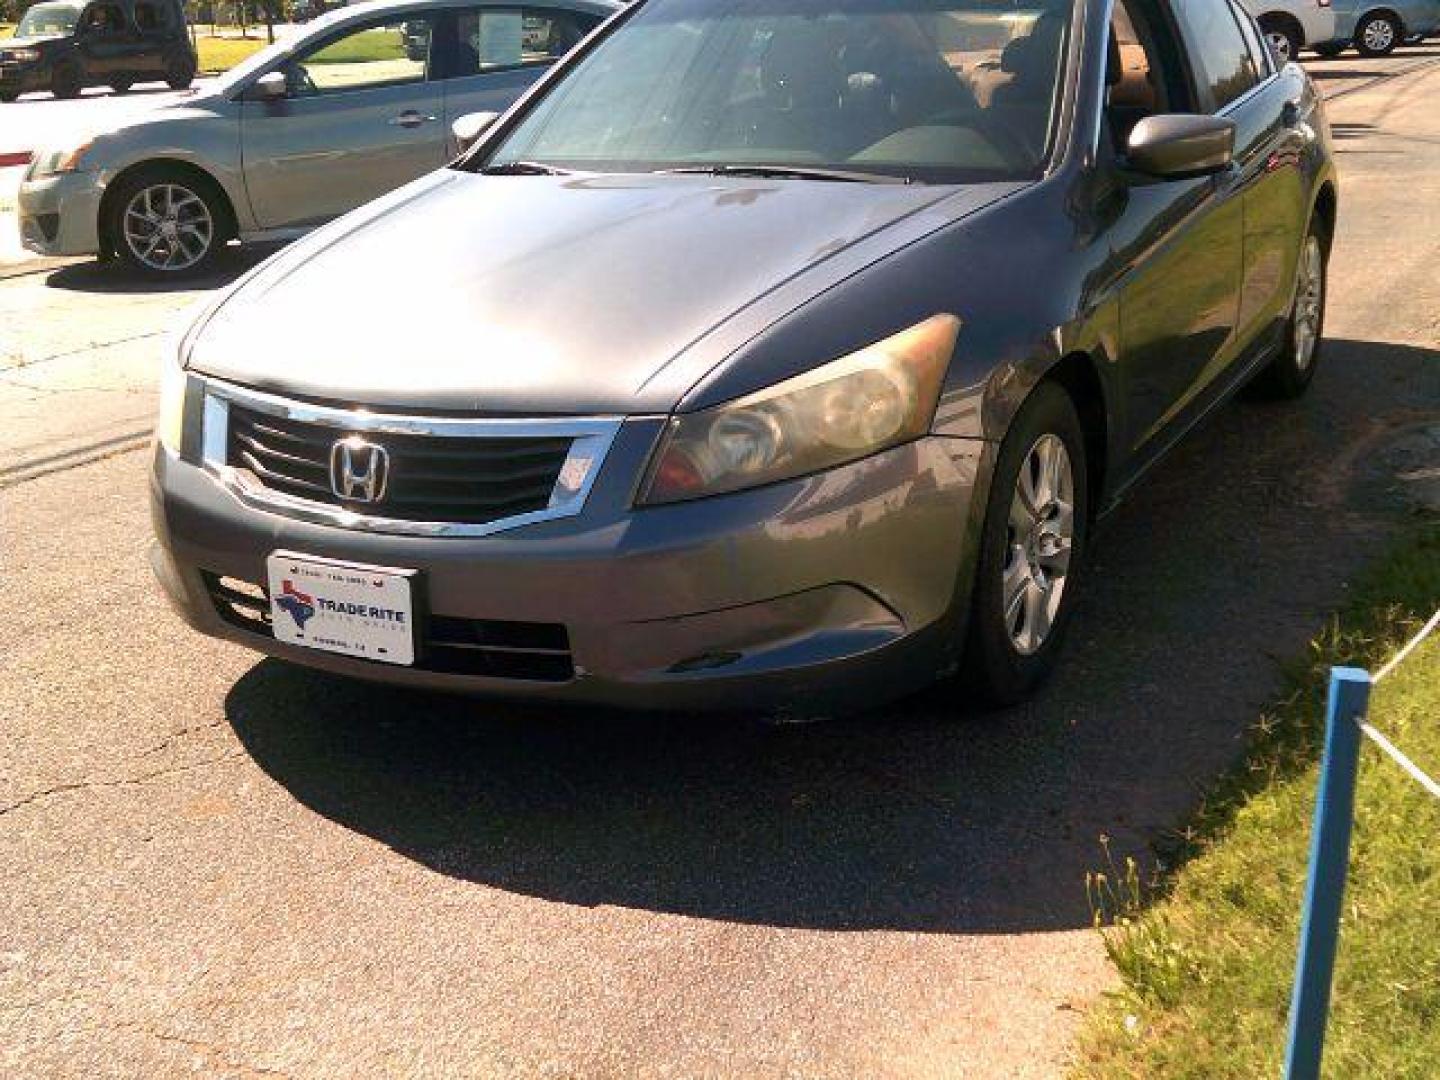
(1178, 145)
(468, 128)
(269, 87)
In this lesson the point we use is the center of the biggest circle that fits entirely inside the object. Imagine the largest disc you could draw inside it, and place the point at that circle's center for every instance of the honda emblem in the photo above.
(359, 470)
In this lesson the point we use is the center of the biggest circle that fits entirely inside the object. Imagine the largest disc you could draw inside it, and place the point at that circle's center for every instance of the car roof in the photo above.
(387, 7)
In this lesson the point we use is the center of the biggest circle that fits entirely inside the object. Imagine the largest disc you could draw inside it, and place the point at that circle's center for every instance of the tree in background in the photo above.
(11, 10)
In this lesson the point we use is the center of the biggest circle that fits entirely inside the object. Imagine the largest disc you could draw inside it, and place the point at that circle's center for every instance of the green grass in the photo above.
(1207, 955)
(371, 45)
(221, 54)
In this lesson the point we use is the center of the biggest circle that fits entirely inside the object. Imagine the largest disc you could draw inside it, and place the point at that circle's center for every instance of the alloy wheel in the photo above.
(168, 227)
(1280, 46)
(1039, 538)
(1309, 302)
(1379, 36)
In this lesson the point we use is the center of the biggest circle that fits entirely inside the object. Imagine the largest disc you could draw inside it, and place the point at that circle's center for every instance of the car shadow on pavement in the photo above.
(924, 816)
(94, 276)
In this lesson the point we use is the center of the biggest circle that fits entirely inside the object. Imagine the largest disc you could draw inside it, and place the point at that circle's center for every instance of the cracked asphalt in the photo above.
(214, 863)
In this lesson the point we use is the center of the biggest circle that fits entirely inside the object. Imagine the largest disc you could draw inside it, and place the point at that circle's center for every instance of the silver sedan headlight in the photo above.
(881, 396)
(54, 162)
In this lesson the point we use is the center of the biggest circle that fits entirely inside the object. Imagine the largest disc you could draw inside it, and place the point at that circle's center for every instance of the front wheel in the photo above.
(7, 96)
(1290, 372)
(163, 223)
(1031, 550)
(1378, 34)
(1284, 38)
(66, 81)
(121, 86)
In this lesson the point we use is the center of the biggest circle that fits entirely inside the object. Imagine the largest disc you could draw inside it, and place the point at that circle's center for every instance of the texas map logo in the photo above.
(301, 606)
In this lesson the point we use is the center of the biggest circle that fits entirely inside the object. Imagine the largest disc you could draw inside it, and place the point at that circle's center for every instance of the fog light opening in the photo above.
(703, 662)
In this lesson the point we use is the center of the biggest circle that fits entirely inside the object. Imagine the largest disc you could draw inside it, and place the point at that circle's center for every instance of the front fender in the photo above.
(209, 143)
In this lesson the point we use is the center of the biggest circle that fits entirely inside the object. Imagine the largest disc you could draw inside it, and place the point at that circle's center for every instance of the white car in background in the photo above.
(1291, 25)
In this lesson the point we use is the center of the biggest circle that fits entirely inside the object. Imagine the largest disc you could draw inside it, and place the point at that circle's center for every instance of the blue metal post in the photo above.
(1329, 858)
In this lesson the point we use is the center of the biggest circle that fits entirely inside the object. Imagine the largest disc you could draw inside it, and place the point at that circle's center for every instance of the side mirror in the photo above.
(269, 87)
(468, 128)
(1174, 146)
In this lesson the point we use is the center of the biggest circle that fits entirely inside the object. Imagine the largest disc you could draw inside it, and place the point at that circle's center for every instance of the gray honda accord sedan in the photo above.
(769, 353)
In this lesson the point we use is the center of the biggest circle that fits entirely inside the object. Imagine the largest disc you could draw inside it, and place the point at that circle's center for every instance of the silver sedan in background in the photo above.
(359, 103)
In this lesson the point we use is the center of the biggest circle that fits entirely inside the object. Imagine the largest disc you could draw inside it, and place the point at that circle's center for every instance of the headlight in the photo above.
(170, 424)
(24, 56)
(871, 400)
(50, 162)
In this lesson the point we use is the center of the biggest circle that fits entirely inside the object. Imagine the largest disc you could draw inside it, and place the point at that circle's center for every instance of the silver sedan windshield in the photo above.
(934, 90)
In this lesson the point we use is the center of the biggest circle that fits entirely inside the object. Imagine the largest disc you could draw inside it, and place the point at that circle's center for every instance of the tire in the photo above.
(1290, 373)
(121, 86)
(165, 222)
(1284, 38)
(66, 81)
(1006, 658)
(8, 96)
(1330, 50)
(1377, 34)
(179, 72)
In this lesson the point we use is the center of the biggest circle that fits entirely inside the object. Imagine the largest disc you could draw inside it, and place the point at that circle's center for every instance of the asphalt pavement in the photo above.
(218, 863)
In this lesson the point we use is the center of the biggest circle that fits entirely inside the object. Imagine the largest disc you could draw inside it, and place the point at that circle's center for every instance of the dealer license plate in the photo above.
(343, 607)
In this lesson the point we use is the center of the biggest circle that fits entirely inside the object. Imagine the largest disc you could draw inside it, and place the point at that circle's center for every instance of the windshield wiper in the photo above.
(523, 168)
(798, 172)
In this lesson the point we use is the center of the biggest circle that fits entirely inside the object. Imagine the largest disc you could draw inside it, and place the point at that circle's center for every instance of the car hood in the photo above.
(26, 42)
(536, 294)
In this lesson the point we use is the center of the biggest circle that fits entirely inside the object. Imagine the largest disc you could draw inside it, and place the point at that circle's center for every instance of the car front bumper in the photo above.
(60, 214)
(17, 78)
(811, 596)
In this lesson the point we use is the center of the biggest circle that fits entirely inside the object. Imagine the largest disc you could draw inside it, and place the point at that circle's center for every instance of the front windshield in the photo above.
(46, 19)
(932, 90)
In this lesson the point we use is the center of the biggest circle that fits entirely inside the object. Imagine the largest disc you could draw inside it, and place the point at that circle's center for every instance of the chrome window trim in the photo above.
(592, 438)
(1244, 99)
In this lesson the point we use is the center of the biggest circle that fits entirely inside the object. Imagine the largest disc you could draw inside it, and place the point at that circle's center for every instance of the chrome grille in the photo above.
(431, 477)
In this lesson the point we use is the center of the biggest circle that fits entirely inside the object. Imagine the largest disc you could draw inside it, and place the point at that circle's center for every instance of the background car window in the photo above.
(48, 19)
(103, 19)
(150, 17)
(490, 39)
(378, 54)
(1227, 68)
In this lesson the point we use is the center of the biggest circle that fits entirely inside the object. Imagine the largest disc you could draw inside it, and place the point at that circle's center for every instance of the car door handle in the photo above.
(409, 119)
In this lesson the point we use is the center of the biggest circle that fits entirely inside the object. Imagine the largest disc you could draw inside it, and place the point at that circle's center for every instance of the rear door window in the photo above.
(103, 20)
(500, 39)
(1258, 49)
(1224, 65)
(151, 18)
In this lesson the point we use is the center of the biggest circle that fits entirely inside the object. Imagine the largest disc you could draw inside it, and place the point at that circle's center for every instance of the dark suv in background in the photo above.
(64, 46)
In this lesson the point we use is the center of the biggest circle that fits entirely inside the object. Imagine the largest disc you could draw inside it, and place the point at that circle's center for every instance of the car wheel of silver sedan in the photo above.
(1284, 39)
(165, 223)
(1031, 549)
(1377, 35)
